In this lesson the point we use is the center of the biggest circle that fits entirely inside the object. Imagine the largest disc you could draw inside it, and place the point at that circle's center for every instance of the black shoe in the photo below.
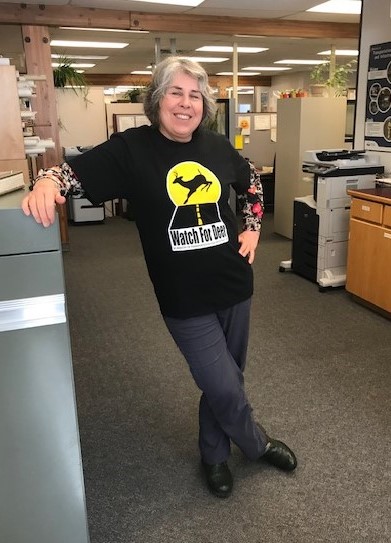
(279, 455)
(219, 479)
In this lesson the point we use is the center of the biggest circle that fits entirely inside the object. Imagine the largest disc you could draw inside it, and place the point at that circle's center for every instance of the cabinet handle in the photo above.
(32, 312)
(386, 235)
(365, 208)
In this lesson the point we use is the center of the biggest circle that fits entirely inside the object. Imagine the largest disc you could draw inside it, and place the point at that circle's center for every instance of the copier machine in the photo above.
(80, 209)
(321, 219)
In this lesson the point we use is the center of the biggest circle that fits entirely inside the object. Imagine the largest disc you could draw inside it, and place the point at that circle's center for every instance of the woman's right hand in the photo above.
(41, 201)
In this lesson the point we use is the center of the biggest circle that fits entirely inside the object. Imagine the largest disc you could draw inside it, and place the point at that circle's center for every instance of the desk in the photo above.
(369, 248)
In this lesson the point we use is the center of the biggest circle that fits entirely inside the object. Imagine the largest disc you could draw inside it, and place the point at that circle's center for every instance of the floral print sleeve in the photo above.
(251, 202)
(64, 177)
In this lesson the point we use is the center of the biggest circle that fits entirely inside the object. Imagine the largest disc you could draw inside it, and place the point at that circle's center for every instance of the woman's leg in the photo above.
(225, 413)
(235, 323)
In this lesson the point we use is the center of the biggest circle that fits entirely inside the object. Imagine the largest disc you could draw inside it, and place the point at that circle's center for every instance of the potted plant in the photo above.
(333, 80)
(134, 95)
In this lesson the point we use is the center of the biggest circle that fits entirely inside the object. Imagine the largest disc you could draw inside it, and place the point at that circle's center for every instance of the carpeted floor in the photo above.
(318, 377)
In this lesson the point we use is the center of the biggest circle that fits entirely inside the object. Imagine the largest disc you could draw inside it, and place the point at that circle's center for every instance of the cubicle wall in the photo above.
(258, 144)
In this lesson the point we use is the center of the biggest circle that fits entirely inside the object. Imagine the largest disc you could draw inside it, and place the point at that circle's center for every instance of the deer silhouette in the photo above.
(194, 184)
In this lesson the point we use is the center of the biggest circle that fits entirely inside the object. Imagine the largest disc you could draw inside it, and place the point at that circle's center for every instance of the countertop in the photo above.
(378, 194)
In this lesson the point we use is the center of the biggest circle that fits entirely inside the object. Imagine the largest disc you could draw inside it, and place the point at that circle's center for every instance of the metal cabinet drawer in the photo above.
(32, 275)
(20, 234)
(41, 478)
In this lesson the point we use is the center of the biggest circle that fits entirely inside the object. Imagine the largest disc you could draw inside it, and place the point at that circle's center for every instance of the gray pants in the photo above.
(215, 348)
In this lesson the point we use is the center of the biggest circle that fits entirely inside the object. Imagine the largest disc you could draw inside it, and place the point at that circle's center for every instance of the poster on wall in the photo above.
(378, 101)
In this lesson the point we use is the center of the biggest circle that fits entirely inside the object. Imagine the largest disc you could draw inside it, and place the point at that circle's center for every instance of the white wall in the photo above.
(82, 122)
(376, 28)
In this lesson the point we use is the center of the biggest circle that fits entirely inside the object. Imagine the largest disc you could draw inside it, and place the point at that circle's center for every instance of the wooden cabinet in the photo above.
(12, 149)
(12, 153)
(369, 248)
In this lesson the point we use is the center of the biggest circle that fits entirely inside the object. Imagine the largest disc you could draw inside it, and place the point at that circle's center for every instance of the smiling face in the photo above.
(181, 108)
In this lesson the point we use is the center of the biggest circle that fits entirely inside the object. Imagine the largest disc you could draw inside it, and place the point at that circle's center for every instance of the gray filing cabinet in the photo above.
(42, 498)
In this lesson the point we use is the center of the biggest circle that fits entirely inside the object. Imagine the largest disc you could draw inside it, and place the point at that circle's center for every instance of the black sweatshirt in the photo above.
(179, 194)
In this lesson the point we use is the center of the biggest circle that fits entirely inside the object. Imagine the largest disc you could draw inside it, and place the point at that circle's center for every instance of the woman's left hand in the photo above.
(248, 240)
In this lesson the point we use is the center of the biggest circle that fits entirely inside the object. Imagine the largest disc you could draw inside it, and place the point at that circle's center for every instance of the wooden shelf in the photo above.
(11, 130)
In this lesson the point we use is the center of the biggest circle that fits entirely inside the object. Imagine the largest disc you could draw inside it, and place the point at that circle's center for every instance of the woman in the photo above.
(178, 176)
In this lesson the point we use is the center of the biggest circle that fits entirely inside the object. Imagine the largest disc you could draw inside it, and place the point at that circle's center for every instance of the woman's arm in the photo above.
(251, 202)
(48, 189)
(102, 173)
(252, 207)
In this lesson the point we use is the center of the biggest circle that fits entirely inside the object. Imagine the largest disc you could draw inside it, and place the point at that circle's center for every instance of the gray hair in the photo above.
(162, 78)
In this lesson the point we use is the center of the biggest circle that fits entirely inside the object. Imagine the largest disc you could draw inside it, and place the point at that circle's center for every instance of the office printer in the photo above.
(80, 209)
(321, 219)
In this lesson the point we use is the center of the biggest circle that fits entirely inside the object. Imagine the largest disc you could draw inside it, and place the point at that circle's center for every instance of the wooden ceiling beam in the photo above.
(113, 80)
(200, 24)
(40, 14)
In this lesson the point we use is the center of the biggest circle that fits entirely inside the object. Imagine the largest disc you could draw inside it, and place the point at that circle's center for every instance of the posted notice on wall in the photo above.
(378, 102)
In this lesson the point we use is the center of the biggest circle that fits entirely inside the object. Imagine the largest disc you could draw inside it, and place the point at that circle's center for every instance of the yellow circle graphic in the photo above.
(190, 183)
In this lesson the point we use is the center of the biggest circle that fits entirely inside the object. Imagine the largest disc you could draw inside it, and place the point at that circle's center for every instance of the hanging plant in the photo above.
(66, 75)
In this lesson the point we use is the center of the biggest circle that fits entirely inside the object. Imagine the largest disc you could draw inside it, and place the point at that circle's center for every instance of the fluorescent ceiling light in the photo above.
(142, 72)
(73, 65)
(207, 59)
(120, 89)
(341, 52)
(81, 57)
(94, 44)
(266, 68)
(248, 36)
(243, 90)
(104, 29)
(229, 49)
(239, 73)
(190, 3)
(303, 62)
(124, 88)
(349, 7)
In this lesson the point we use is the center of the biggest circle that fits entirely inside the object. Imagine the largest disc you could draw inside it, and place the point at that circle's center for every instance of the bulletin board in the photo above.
(256, 136)
(378, 100)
